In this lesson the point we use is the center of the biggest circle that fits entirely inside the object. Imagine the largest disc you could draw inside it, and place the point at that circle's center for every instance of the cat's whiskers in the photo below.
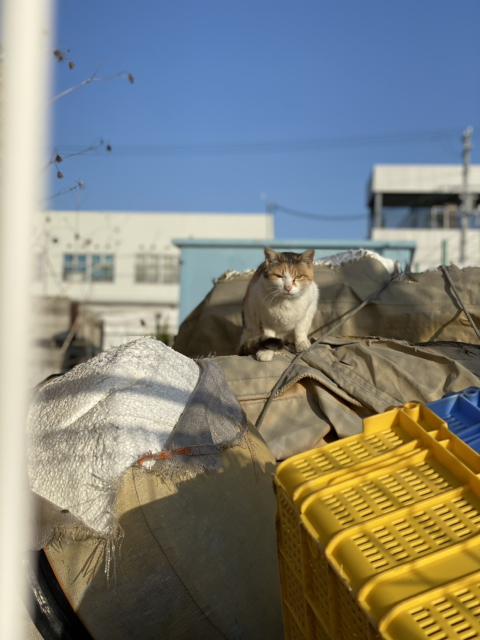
(270, 291)
(270, 297)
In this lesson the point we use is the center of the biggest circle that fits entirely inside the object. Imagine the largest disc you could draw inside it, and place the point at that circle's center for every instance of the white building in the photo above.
(422, 203)
(122, 266)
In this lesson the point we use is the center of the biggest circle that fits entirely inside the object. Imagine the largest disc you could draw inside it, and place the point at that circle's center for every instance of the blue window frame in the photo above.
(84, 267)
(74, 267)
(103, 267)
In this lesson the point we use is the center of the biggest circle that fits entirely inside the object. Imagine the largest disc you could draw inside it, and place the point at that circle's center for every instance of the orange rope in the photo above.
(165, 454)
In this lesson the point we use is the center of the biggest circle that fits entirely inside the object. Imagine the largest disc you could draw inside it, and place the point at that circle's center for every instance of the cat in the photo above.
(279, 304)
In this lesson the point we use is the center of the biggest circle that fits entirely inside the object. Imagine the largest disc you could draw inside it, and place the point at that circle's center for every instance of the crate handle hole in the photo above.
(412, 409)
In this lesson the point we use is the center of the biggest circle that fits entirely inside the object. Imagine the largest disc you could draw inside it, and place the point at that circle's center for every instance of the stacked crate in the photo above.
(379, 533)
(461, 411)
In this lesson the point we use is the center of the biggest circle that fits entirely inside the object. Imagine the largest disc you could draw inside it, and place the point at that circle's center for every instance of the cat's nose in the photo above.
(288, 287)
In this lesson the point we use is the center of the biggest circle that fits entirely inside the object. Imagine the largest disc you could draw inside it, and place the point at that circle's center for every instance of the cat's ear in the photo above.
(307, 256)
(270, 255)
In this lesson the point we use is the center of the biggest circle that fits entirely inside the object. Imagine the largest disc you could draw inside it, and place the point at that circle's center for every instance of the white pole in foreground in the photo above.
(25, 37)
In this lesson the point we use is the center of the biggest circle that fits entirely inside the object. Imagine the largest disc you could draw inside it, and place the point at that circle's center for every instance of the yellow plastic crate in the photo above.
(400, 431)
(396, 432)
(368, 508)
(292, 630)
(300, 621)
(374, 520)
(426, 473)
(389, 547)
(450, 612)
(448, 579)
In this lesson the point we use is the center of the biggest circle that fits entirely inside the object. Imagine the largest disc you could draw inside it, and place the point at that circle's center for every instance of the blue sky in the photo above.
(214, 72)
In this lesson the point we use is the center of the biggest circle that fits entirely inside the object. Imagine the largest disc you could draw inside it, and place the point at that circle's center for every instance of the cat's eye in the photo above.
(298, 277)
(277, 275)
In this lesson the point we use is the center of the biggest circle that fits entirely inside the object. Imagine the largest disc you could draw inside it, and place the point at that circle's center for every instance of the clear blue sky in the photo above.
(214, 72)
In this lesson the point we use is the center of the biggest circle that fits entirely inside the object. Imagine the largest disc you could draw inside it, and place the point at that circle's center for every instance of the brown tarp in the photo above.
(198, 559)
(415, 307)
(342, 380)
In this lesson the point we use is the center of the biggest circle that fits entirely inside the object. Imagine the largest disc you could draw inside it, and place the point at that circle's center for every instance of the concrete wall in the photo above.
(430, 245)
(421, 178)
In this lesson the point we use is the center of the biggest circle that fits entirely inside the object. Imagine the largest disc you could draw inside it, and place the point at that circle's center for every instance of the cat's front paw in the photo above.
(265, 355)
(303, 345)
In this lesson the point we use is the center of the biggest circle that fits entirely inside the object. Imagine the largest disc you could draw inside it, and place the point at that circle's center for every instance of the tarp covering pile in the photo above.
(412, 342)
(415, 307)
(340, 381)
(143, 543)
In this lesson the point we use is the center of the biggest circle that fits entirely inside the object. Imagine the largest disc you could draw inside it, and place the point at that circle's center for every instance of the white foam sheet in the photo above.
(335, 260)
(88, 426)
(339, 259)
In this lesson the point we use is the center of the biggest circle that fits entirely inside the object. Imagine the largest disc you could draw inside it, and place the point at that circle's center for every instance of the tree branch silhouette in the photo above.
(93, 78)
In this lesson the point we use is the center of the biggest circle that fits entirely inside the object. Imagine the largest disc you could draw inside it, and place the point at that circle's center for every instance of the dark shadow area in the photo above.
(50, 611)
(198, 559)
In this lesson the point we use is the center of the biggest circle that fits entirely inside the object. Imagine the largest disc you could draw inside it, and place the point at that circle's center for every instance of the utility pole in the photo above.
(466, 207)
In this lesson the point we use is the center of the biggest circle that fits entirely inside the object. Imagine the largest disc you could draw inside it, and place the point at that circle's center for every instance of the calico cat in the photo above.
(279, 305)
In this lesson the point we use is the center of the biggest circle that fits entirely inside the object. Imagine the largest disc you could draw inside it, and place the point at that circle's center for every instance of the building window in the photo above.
(146, 268)
(83, 267)
(169, 269)
(74, 267)
(102, 268)
(157, 268)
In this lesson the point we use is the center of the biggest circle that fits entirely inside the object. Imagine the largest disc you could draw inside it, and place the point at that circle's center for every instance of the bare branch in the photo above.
(93, 147)
(60, 158)
(79, 185)
(93, 78)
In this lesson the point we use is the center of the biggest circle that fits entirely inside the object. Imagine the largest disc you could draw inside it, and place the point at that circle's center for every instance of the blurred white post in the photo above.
(26, 26)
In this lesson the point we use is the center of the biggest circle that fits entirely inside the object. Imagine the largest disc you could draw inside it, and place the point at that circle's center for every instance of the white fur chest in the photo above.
(284, 313)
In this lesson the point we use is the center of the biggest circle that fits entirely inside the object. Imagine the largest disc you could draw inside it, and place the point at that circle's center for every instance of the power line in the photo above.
(274, 206)
(238, 148)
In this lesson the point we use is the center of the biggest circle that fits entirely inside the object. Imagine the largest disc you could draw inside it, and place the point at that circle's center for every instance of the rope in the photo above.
(460, 301)
(282, 378)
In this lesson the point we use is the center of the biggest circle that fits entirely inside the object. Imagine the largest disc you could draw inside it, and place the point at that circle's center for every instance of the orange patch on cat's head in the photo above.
(297, 264)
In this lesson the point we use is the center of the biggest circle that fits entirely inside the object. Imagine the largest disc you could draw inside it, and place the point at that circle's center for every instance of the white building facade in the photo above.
(123, 266)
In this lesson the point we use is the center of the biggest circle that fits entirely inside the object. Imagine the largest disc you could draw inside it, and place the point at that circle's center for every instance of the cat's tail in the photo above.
(250, 347)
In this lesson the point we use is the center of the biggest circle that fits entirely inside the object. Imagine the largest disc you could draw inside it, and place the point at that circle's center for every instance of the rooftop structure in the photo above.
(422, 203)
(425, 196)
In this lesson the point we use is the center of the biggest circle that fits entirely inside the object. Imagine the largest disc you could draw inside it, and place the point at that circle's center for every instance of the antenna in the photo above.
(466, 208)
